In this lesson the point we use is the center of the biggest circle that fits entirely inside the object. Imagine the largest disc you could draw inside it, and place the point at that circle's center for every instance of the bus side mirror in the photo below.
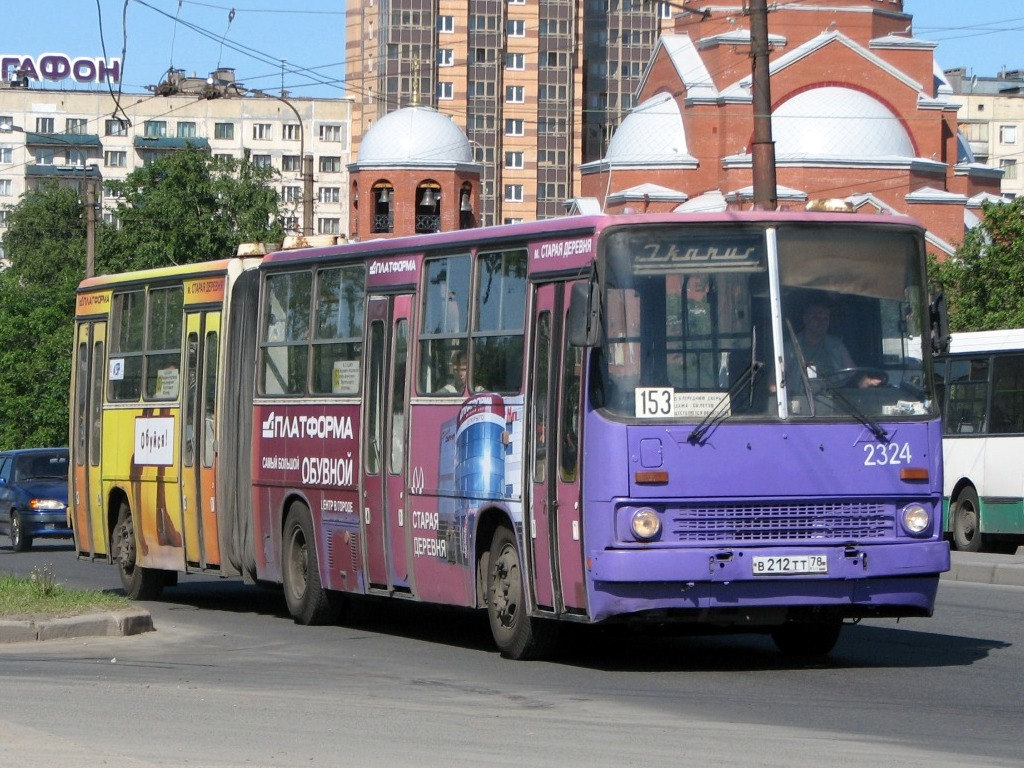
(584, 324)
(939, 324)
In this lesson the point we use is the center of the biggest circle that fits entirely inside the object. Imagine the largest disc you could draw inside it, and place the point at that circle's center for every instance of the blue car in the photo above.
(34, 495)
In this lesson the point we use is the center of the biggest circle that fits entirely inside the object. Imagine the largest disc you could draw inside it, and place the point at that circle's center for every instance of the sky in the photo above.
(300, 43)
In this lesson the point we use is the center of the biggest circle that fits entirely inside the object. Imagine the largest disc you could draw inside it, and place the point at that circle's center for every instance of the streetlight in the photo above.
(307, 163)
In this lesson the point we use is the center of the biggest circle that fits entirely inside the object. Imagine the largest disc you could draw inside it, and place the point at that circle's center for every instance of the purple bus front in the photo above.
(761, 439)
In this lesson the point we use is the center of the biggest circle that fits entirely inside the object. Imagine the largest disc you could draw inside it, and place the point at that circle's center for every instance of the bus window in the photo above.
(129, 324)
(498, 325)
(81, 402)
(569, 431)
(337, 343)
(163, 344)
(96, 403)
(372, 428)
(285, 333)
(444, 312)
(401, 344)
(1007, 414)
(210, 399)
(542, 362)
(967, 381)
(188, 449)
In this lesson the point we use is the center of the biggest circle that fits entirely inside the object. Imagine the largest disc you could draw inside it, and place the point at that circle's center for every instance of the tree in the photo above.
(984, 281)
(188, 207)
(45, 242)
(183, 208)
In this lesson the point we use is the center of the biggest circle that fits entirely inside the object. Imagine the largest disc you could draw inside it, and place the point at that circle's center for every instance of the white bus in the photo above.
(982, 388)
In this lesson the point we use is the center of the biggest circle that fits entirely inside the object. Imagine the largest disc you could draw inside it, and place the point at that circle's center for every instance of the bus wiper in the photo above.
(720, 412)
(876, 429)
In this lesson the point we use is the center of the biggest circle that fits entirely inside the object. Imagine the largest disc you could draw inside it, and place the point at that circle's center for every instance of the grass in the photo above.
(40, 596)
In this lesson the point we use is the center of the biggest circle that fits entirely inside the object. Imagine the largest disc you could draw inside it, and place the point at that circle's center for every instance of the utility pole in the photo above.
(763, 155)
(307, 195)
(90, 228)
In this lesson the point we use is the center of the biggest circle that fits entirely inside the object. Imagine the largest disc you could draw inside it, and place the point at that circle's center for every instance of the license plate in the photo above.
(789, 565)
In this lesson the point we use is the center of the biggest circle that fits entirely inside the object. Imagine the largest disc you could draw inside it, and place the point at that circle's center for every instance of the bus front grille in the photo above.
(790, 522)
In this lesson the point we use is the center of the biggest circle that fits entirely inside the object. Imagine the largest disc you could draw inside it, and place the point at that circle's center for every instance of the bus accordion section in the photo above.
(147, 419)
(720, 420)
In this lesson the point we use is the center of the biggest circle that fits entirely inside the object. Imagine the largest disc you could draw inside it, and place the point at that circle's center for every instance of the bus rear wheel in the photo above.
(308, 602)
(139, 583)
(807, 639)
(517, 634)
(967, 522)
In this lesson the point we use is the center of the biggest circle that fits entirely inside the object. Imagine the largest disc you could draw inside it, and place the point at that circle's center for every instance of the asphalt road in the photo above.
(229, 680)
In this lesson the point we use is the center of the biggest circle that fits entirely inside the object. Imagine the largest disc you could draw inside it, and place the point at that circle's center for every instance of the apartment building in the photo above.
(77, 135)
(538, 88)
(992, 118)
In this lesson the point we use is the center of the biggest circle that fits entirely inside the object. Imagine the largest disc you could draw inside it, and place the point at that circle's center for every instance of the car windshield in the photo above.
(693, 327)
(45, 466)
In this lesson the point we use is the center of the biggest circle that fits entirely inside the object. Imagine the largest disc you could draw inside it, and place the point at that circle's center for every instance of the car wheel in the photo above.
(20, 541)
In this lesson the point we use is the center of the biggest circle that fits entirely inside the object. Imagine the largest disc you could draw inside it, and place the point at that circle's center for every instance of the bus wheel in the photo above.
(139, 583)
(308, 602)
(516, 633)
(967, 522)
(20, 541)
(807, 639)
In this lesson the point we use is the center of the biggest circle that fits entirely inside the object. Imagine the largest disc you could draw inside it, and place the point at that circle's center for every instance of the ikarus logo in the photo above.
(323, 427)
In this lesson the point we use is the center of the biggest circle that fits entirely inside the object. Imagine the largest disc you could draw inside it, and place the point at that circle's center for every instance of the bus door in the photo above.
(86, 449)
(384, 422)
(198, 441)
(554, 515)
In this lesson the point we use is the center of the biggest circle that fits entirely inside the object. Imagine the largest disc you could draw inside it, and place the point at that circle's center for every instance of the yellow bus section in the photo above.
(145, 469)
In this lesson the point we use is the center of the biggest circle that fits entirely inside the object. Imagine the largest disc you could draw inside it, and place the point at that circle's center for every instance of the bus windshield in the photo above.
(694, 324)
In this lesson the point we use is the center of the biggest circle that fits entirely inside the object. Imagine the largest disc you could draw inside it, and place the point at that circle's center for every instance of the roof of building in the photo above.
(417, 136)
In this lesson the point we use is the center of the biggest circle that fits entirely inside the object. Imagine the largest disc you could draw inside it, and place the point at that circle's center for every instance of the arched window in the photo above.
(383, 201)
(467, 216)
(428, 207)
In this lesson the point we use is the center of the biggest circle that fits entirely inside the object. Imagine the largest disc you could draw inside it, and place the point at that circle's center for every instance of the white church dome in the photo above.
(414, 136)
(837, 123)
(652, 133)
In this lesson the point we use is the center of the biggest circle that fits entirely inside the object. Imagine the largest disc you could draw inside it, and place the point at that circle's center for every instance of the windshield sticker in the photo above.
(664, 402)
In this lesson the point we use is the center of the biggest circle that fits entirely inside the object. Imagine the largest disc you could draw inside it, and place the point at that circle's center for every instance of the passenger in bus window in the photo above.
(458, 370)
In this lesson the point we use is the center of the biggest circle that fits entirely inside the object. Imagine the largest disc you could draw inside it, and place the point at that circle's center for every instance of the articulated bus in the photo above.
(724, 420)
(983, 442)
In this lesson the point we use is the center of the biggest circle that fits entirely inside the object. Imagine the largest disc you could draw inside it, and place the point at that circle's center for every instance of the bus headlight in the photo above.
(646, 524)
(916, 518)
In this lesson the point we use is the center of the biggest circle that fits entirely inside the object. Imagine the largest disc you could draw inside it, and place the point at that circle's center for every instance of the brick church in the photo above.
(860, 111)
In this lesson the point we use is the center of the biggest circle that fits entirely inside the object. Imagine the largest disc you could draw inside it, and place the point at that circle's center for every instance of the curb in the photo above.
(1004, 570)
(115, 624)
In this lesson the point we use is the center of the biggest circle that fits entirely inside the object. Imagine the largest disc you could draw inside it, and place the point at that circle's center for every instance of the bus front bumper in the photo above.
(851, 581)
